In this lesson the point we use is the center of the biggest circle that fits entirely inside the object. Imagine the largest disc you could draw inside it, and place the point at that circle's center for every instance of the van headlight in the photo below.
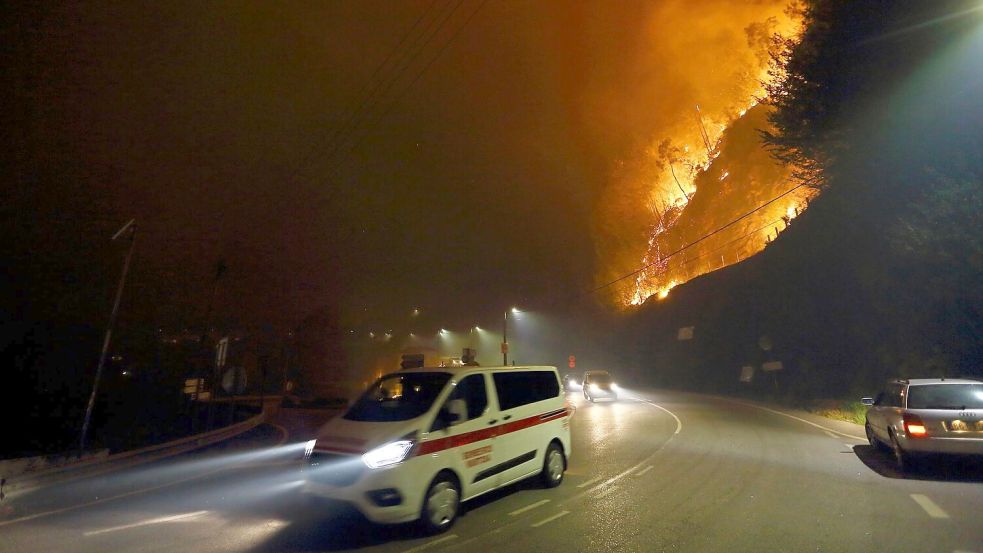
(595, 388)
(388, 454)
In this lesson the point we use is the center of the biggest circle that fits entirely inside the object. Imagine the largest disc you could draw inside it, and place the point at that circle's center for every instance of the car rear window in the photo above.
(517, 388)
(946, 396)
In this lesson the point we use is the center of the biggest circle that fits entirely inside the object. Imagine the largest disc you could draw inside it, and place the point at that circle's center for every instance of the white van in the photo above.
(418, 442)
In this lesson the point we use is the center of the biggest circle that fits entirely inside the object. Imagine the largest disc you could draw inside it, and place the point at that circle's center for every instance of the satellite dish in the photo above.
(765, 342)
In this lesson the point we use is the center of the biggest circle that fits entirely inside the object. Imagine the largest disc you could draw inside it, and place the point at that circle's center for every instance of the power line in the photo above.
(382, 87)
(339, 135)
(725, 244)
(697, 241)
(415, 79)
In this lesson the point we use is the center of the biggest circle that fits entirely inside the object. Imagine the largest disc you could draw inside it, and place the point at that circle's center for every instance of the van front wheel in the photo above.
(441, 504)
(553, 466)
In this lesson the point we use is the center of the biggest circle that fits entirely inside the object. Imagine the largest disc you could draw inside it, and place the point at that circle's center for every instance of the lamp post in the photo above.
(505, 340)
(505, 336)
(131, 226)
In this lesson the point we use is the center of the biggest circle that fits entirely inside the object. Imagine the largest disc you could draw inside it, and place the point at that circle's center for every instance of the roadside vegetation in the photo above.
(849, 411)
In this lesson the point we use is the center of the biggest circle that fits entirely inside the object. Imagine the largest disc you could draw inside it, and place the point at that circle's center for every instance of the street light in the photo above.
(505, 335)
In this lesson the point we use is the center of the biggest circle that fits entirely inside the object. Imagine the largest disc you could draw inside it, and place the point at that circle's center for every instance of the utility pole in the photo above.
(131, 226)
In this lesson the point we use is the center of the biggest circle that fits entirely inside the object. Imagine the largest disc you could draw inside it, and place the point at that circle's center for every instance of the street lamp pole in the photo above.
(505, 339)
(131, 226)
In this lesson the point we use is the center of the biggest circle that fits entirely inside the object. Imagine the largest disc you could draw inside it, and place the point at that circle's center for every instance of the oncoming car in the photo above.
(923, 416)
(599, 385)
(570, 382)
(418, 442)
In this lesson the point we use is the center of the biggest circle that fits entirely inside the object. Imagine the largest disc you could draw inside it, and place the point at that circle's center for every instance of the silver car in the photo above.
(927, 415)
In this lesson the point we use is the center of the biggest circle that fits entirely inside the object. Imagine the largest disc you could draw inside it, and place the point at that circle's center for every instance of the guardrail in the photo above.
(21, 478)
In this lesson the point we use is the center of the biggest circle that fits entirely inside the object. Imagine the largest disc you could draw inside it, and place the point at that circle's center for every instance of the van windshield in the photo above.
(398, 397)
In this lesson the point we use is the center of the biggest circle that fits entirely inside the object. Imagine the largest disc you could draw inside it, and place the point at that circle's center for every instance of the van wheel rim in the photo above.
(555, 465)
(442, 504)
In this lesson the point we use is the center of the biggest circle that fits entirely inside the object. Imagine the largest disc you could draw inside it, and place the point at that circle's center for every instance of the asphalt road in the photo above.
(662, 472)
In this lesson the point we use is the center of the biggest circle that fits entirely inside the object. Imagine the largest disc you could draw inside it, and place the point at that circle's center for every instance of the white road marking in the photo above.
(831, 435)
(643, 471)
(679, 423)
(120, 496)
(578, 495)
(430, 544)
(148, 522)
(930, 507)
(810, 423)
(529, 507)
(550, 519)
(589, 482)
(606, 492)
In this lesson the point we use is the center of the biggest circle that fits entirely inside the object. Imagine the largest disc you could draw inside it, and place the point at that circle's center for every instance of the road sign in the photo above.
(772, 366)
(505, 347)
(685, 333)
(747, 373)
(221, 352)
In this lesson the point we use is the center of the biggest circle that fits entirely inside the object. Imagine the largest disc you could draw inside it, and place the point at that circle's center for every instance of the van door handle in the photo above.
(506, 417)
(493, 421)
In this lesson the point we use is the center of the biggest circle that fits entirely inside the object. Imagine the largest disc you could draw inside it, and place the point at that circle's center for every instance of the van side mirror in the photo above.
(867, 400)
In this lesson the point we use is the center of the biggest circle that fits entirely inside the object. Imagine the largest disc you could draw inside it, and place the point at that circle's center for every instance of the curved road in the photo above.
(662, 471)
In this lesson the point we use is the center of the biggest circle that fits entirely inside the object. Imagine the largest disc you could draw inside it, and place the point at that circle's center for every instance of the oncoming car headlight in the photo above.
(388, 454)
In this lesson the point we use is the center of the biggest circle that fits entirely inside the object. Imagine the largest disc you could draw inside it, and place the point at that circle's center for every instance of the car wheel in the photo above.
(553, 466)
(902, 461)
(871, 437)
(441, 504)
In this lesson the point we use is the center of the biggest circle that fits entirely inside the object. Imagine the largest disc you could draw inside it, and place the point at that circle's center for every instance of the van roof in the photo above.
(466, 368)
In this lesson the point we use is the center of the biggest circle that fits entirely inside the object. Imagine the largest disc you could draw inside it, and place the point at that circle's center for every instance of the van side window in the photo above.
(517, 388)
(472, 390)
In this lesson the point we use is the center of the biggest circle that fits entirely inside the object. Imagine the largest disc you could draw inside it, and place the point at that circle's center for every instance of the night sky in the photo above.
(470, 184)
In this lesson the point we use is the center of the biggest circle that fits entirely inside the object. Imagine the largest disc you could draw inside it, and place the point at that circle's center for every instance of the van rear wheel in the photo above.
(441, 504)
(554, 464)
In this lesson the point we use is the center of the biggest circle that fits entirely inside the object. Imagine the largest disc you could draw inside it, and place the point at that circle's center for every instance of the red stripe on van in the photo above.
(449, 442)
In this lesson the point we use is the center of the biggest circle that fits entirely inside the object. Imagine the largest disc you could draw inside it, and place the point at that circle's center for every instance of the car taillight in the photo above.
(914, 427)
